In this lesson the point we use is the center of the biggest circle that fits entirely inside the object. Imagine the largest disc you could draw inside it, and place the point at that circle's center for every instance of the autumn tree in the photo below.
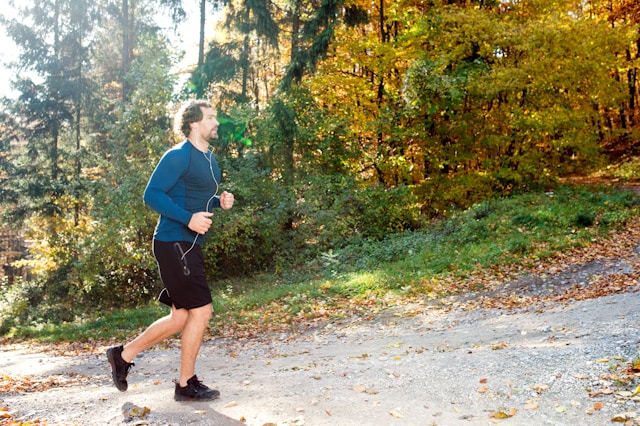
(72, 137)
(621, 123)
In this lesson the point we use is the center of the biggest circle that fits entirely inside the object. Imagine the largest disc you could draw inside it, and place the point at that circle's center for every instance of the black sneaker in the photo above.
(194, 391)
(119, 367)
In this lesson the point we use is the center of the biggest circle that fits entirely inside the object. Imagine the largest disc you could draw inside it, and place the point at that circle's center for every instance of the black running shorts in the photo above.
(181, 269)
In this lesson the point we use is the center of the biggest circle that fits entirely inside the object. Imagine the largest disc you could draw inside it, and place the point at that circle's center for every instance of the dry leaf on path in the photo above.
(359, 388)
(503, 414)
(539, 387)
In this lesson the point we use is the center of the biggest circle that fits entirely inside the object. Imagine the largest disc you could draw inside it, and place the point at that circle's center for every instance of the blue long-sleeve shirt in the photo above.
(184, 182)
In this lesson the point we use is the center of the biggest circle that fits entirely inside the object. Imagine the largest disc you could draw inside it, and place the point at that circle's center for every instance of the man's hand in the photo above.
(200, 222)
(226, 200)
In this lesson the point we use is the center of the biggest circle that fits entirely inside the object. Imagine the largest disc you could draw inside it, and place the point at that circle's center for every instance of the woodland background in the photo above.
(342, 121)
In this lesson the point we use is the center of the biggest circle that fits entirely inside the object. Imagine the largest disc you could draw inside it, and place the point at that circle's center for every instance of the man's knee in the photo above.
(179, 318)
(202, 314)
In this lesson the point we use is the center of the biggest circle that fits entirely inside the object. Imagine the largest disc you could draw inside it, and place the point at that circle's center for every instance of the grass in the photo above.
(367, 275)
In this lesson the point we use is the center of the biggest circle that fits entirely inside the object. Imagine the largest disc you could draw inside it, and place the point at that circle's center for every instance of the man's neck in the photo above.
(200, 144)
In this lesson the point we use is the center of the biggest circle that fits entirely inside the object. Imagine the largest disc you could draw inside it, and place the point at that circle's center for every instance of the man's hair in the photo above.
(190, 112)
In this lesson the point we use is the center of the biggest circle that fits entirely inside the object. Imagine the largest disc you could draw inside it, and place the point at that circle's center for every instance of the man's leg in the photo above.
(120, 357)
(192, 336)
(158, 331)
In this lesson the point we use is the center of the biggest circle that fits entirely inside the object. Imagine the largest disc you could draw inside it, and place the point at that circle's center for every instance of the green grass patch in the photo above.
(117, 324)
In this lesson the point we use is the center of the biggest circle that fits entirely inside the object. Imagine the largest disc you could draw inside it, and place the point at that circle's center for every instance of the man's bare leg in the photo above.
(192, 335)
(158, 331)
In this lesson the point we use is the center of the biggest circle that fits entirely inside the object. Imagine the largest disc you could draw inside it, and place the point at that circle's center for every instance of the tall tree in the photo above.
(53, 39)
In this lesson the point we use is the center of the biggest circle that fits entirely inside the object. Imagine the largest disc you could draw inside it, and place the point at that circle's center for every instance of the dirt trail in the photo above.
(440, 368)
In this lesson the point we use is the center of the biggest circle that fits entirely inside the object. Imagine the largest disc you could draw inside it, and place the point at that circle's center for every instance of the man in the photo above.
(183, 189)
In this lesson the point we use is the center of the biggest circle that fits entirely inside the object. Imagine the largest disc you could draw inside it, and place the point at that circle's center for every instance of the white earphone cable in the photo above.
(209, 158)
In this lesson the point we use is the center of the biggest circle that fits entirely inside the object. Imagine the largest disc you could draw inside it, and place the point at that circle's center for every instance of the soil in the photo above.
(556, 361)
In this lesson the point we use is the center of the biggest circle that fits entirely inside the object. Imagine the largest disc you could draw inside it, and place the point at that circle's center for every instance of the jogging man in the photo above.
(183, 189)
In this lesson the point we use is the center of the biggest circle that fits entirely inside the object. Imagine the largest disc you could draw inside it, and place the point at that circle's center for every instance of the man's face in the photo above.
(208, 126)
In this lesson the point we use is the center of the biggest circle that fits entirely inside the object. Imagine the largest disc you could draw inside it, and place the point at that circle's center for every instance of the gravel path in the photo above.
(431, 367)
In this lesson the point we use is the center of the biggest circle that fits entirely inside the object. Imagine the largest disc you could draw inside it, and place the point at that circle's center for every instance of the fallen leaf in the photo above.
(484, 380)
(231, 404)
(396, 415)
(598, 406)
(482, 389)
(624, 417)
(359, 388)
(532, 406)
(499, 415)
(539, 387)
(605, 391)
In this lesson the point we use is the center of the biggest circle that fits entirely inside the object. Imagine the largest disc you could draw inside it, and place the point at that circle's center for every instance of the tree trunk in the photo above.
(125, 48)
(203, 20)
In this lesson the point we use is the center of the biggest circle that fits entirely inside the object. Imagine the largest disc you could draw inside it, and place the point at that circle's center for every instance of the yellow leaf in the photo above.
(624, 417)
(396, 414)
(395, 345)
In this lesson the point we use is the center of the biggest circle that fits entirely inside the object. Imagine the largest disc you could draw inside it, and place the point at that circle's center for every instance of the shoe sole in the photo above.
(122, 387)
(190, 398)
